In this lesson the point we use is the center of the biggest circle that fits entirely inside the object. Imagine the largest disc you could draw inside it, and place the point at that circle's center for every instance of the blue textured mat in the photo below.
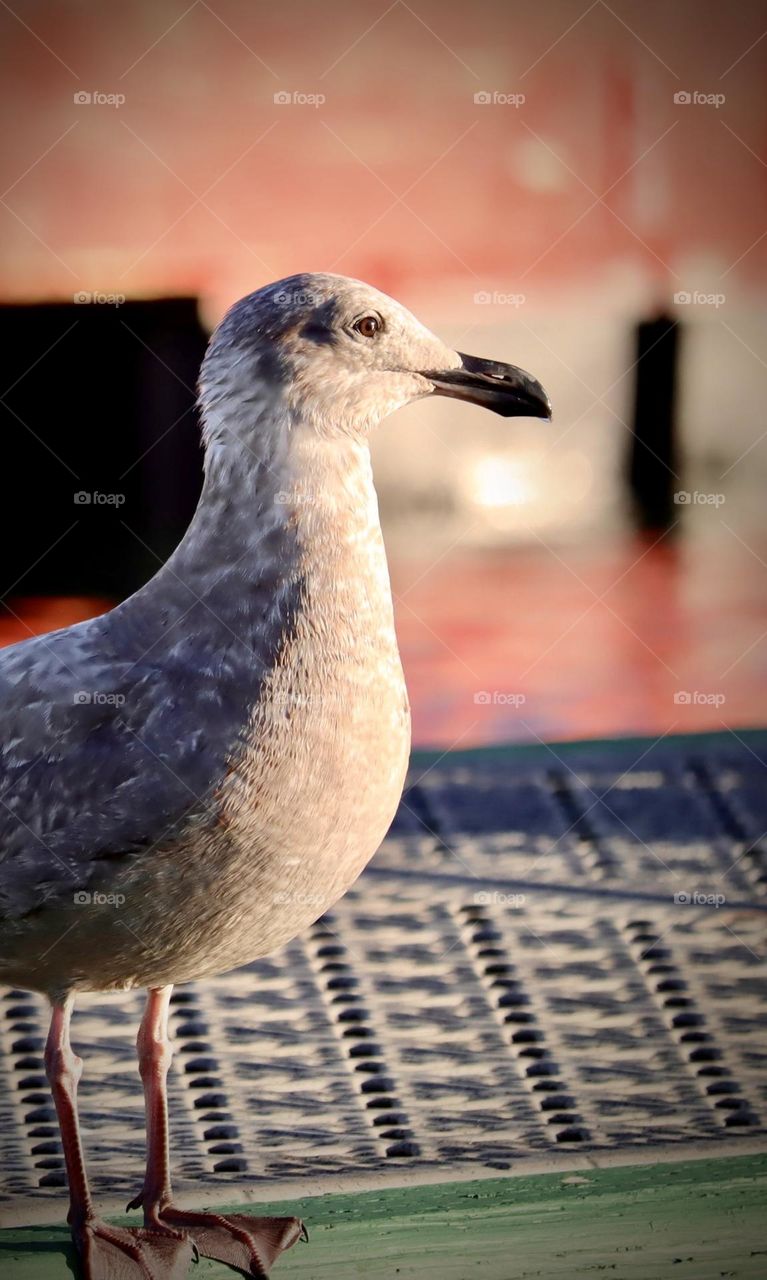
(637, 816)
(556, 948)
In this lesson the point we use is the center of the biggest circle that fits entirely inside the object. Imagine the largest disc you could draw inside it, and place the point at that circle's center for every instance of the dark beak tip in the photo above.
(502, 388)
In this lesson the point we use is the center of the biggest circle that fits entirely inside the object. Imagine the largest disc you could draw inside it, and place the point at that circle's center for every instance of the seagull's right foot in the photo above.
(249, 1244)
(135, 1253)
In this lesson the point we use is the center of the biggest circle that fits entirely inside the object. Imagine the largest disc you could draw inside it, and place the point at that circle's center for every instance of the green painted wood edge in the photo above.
(753, 738)
(691, 1219)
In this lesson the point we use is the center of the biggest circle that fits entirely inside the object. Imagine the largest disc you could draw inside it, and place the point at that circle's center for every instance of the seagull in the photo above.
(191, 779)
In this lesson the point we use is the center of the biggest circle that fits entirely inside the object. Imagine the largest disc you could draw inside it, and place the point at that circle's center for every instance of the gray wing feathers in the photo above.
(98, 757)
(116, 732)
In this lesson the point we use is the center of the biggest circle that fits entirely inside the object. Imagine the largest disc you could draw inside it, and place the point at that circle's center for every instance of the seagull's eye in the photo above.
(367, 326)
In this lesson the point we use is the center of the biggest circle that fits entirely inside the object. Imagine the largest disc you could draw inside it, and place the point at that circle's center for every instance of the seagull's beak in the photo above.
(501, 387)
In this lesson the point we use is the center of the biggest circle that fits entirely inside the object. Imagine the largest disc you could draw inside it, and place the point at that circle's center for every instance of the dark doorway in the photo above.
(653, 456)
(101, 459)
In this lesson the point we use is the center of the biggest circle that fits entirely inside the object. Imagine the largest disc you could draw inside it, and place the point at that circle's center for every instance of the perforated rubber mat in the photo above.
(554, 949)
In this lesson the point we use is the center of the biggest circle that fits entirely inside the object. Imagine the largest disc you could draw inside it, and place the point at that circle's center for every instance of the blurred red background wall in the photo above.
(200, 183)
(596, 158)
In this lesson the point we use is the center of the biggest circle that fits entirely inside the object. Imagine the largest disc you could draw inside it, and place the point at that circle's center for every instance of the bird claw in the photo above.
(131, 1253)
(249, 1244)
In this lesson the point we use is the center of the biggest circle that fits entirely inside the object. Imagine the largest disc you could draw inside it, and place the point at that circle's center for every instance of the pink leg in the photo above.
(251, 1244)
(154, 1059)
(64, 1069)
(105, 1252)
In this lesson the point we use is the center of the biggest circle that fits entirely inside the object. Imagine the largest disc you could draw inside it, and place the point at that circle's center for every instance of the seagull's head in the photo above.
(339, 356)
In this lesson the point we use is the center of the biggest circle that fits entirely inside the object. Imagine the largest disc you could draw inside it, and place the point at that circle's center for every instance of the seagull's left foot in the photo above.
(106, 1252)
(249, 1244)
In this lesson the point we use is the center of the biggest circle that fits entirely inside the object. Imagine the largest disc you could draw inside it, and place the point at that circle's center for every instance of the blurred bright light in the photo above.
(533, 488)
(537, 166)
(502, 481)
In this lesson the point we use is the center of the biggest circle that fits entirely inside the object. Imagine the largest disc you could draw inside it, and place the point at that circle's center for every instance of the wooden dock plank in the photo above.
(697, 1220)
